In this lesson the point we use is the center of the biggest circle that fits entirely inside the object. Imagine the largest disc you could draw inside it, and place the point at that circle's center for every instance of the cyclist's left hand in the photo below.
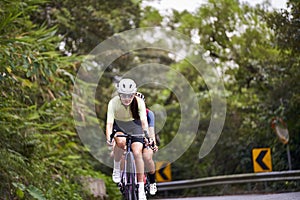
(155, 148)
(151, 144)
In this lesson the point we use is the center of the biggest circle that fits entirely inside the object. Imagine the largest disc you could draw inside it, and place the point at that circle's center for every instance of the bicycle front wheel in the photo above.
(131, 185)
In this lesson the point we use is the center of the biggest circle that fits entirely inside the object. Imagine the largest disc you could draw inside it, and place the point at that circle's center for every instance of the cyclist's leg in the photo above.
(150, 166)
(120, 146)
(137, 148)
(135, 128)
(149, 163)
(118, 151)
(116, 176)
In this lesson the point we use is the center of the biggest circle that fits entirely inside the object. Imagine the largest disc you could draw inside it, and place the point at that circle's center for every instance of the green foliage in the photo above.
(284, 99)
(89, 22)
(42, 156)
(257, 72)
(150, 18)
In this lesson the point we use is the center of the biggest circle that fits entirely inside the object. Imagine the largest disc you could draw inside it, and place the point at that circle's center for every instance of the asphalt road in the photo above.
(281, 196)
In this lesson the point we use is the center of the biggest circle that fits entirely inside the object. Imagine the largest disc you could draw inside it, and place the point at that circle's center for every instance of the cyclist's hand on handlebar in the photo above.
(155, 148)
(147, 141)
(109, 142)
(150, 143)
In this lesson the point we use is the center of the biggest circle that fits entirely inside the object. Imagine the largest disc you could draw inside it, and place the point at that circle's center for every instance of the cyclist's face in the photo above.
(126, 99)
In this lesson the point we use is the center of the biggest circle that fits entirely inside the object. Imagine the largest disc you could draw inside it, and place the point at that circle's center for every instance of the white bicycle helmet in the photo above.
(126, 86)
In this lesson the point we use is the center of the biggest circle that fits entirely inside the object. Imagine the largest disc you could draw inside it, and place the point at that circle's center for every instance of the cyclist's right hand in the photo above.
(110, 140)
(109, 143)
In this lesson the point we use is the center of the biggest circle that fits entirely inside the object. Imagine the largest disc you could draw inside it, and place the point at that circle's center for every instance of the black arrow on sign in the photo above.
(260, 158)
(161, 171)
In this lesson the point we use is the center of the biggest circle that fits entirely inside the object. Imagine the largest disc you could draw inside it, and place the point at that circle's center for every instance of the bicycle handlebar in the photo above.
(145, 134)
(126, 135)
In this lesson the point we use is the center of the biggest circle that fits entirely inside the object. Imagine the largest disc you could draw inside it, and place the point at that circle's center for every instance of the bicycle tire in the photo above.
(131, 190)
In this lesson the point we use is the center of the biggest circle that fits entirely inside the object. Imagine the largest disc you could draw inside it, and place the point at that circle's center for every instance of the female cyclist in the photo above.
(127, 114)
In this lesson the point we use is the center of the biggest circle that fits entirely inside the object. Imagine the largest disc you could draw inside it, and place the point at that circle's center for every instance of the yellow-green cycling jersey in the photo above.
(117, 111)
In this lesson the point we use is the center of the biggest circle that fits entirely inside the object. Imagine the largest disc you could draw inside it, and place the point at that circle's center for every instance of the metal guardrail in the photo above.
(230, 179)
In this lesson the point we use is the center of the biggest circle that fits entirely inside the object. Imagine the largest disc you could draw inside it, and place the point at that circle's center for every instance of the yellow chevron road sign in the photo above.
(262, 160)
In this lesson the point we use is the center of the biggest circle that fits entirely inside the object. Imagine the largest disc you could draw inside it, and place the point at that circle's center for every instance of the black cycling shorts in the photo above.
(131, 127)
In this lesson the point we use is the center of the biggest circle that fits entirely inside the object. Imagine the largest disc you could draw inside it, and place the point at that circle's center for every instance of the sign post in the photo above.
(282, 132)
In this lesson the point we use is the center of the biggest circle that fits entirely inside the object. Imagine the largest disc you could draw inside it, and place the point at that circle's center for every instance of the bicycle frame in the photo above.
(128, 185)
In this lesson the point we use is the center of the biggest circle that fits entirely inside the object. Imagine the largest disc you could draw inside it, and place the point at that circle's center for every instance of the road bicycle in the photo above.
(128, 185)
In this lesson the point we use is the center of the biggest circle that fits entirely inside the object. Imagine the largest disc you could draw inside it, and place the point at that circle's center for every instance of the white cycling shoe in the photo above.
(116, 175)
(142, 196)
(153, 189)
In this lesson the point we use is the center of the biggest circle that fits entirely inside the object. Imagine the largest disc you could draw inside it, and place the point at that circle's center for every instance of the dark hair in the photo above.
(134, 109)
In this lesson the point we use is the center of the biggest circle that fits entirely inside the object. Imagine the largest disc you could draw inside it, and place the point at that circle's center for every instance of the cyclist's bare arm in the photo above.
(152, 137)
(152, 134)
(145, 124)
(109, 128)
